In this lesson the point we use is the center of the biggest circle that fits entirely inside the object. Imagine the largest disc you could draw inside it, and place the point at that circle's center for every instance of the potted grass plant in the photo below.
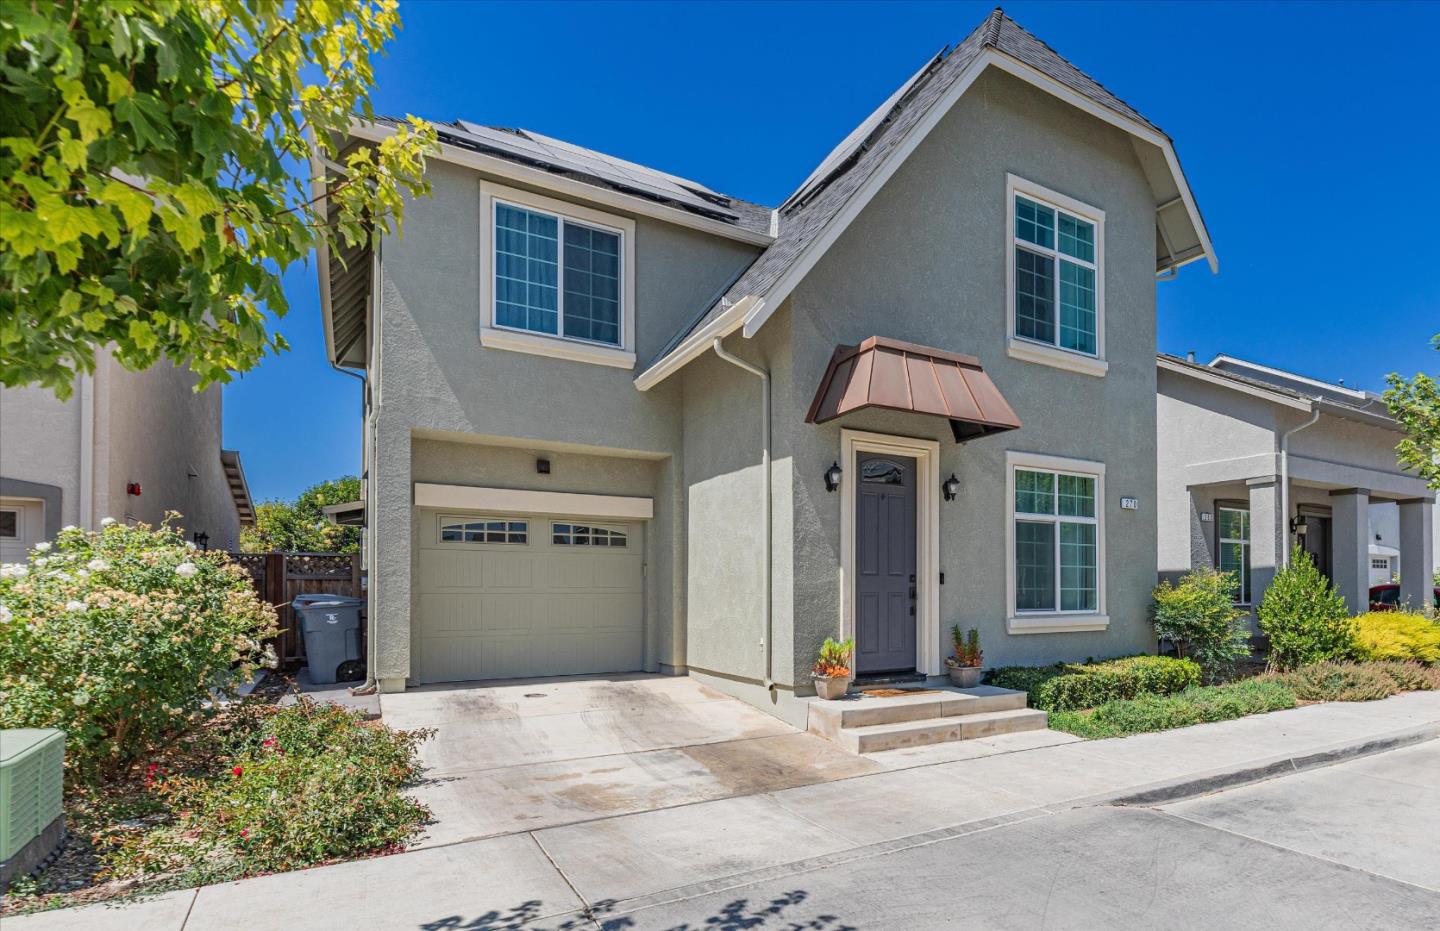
(832, 668)
(964, 666)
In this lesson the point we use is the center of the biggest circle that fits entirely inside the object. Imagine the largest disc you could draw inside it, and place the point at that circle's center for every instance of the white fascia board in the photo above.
(318, 193)
(695, 345)
(1276, 397)
(513, 171)
(519, 501)
(1224, 357)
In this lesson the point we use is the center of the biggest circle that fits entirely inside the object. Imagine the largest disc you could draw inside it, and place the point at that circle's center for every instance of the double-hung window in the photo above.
(1057, 295)
(557, 278)
(1057, 547)
(1233, 535)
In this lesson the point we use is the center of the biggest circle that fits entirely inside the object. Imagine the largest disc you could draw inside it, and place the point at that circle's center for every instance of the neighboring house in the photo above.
(1254, 461)
(1385, 543)
(127, 445)
(617, 421)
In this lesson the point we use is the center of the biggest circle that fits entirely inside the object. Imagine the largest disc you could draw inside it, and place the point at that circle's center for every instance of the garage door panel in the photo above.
(535, 609)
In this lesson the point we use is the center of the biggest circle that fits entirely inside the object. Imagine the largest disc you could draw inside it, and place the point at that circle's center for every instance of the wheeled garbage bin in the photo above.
(331, 627)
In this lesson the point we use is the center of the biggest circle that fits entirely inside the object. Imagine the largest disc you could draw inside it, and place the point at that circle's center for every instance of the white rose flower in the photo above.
(14, 571)
(81, 699)
(107, 522)
(82, 573)
(42, 561)
(68, 527)
(42, 547)
(97, 565)
(187, 570)
(5, 615)
(190, 545)
(76, 606)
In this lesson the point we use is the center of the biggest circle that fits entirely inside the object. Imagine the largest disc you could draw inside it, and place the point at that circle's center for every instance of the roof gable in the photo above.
(823, 206)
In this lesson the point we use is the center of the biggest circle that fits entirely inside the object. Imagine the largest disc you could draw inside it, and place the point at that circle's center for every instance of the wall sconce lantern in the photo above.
(202, 540)
(1297, 525)
(950, 487)
(832, 477)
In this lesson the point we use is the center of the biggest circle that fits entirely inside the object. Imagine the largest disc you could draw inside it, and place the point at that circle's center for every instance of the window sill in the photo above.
(556, 348)
(1058, 358)
(1056, 623)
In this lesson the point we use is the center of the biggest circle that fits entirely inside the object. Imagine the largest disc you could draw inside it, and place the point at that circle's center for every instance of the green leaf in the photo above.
(134, 206)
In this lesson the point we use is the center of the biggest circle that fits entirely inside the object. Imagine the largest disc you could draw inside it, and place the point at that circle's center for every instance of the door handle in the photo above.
(912, 593)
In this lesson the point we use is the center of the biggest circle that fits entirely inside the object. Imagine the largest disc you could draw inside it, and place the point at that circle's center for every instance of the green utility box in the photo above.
(32, 792)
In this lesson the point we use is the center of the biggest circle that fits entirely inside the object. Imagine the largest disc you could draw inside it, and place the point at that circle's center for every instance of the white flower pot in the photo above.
(965, 677)
(831, 687)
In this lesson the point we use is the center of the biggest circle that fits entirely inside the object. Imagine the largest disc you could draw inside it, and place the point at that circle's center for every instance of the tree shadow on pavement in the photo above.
(736, 915)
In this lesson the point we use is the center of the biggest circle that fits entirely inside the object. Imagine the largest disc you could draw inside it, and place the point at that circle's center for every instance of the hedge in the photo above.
(1396, 635)
(1196, 705)
(1070, 686)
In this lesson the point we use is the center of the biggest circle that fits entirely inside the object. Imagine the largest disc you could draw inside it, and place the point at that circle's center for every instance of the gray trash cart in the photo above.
(330, 625)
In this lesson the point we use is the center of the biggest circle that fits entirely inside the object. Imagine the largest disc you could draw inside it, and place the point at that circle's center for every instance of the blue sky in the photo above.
(1309, 133)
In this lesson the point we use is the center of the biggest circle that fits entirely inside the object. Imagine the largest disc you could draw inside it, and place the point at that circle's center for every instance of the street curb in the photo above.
(1216, 781)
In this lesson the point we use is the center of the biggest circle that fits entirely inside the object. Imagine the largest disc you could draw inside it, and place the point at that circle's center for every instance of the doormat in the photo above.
(887, 692)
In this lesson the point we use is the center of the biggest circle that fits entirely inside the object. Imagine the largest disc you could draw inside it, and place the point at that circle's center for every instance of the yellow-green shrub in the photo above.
(1397, 635)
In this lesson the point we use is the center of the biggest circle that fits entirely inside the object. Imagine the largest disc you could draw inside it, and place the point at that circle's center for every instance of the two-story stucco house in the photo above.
(127, 445)
(1254, 461)
(618, 421)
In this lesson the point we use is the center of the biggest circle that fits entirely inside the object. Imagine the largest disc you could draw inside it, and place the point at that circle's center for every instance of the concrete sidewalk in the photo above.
(636, 861)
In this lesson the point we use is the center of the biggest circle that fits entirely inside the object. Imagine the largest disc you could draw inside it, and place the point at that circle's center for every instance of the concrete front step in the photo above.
(876, 737)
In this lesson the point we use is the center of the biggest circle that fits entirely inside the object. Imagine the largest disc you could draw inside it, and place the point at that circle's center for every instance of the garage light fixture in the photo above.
(832, 476)
(950, 487)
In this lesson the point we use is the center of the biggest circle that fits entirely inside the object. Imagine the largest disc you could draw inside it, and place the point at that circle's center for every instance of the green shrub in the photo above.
(1199, 615)
(308, 784)
(1397, 635)
(1304, 617)
(1196, 705)
(1068, 686)
(1357, 681)
(118, 637)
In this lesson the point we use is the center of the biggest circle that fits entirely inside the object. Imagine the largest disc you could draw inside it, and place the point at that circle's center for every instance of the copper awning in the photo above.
(902, 376)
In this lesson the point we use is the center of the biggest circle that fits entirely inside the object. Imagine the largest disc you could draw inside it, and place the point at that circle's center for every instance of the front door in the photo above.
(1317, 542)
(884, 564)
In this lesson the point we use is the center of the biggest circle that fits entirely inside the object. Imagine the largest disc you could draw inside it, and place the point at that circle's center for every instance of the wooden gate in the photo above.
(279, 578)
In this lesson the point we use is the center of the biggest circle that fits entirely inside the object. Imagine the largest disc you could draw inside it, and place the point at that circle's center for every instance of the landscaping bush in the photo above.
(1199, 616)
(118, 637)
(1397, 635)
(1305, 619)
(307, 784)
(1357, 681)
(1068, 686)
(1195, 705)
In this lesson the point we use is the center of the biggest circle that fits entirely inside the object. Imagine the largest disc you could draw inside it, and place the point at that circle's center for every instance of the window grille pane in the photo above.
(1034, 222)
(592, 284)
(1034, 492)
(580, 535)
(526, 245)
(484, 531)
(1034, 296)
(1234, 524)
(1078, 578)
(1034, 566)
(1077, 496)
(1077, 307)
(1077, 238)
(1235, 558)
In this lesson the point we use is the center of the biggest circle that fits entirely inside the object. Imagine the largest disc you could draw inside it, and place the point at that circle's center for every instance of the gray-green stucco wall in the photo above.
(433, 381)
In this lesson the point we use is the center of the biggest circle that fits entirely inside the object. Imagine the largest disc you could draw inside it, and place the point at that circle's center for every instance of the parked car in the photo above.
(1387, 597)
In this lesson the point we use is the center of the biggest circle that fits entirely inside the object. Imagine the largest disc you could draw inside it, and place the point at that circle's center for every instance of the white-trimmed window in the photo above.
(484, 530)
(586, 535)
(9, 523)
(1232, 529)
(556, 278)
(1056, 280)
(1056, 558)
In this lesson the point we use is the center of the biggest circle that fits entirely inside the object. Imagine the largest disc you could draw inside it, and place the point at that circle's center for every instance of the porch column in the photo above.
(1417, 556)
(1350, 546)
(1267, 534)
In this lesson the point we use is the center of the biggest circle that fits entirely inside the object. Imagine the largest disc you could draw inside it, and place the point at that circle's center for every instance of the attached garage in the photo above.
(516, 595)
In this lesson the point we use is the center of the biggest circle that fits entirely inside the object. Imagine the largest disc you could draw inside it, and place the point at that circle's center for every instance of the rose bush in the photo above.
(120, 636)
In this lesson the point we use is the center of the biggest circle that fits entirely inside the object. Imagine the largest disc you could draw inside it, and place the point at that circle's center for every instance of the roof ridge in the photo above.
(992, 25)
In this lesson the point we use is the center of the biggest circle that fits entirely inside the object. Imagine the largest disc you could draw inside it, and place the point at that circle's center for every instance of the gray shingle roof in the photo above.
(803, 221)
(1373, 406)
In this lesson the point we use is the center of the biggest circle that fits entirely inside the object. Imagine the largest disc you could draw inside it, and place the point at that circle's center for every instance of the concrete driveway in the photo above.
(521, 755)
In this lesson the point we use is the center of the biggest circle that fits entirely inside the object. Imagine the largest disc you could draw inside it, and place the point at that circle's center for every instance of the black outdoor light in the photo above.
(832, 477)
(1297, 525)
(950, 487)
(202, 540)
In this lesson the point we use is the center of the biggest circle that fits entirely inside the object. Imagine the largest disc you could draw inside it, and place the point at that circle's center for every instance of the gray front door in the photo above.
(884, 564)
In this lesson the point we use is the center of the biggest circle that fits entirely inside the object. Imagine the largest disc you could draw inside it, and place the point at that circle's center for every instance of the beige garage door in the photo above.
(505, 597)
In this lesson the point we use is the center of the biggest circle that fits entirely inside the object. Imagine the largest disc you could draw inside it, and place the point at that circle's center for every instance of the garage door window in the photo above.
(586, 535)
(9, 523)
(483, 530)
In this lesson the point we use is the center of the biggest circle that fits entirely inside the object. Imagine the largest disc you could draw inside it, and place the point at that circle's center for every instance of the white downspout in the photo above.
(86, 517)
(1285, 478)
(764, 377)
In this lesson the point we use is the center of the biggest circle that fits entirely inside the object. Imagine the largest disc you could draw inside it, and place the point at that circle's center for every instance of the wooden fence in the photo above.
(280, 577)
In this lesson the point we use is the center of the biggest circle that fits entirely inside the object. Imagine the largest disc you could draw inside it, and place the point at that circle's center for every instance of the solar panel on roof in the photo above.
(628, 175)
(862, 132)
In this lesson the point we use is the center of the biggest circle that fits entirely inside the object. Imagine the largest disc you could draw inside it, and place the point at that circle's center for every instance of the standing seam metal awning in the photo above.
(900, 376)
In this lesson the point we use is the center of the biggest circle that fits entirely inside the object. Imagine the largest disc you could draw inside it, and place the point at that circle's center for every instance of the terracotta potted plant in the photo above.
(832, 668)
(964, 666)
